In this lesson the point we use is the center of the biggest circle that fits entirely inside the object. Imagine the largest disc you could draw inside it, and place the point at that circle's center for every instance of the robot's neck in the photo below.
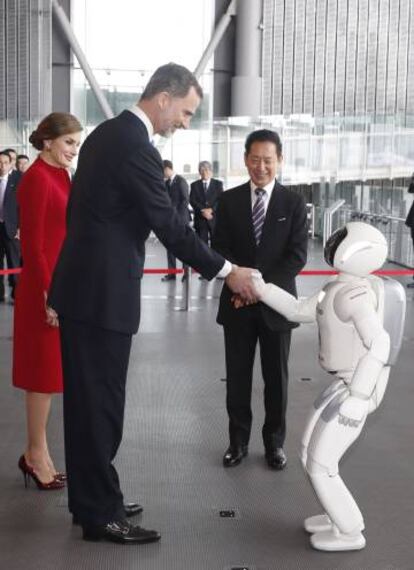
(348, 277)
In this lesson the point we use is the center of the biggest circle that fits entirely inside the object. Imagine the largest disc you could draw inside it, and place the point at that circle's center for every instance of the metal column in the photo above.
(247, 84)
(83, 62)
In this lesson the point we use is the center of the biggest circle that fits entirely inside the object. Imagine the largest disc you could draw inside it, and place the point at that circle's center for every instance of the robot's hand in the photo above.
(353, 411)
(258, 284)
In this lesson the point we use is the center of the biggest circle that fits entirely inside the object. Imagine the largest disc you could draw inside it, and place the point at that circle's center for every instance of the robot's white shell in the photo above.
(357, 249)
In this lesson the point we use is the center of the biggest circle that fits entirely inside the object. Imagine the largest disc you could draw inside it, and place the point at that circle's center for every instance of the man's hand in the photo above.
(207, 213)
(238, 302)
(240, 281)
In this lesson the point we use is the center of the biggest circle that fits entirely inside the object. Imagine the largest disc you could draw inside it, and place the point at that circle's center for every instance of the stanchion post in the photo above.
(187, 288)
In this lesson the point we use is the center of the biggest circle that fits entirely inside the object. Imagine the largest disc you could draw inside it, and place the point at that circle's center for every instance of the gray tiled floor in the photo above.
(175, 434)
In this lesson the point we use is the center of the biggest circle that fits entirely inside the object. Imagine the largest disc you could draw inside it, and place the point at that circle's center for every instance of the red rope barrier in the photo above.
(304, 272)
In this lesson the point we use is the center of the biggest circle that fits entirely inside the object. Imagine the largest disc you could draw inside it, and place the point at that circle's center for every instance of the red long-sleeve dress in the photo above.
(42, 197)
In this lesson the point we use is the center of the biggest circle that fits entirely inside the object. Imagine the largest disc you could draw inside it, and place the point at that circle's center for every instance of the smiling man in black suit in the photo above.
(118, 197)
(259, 224)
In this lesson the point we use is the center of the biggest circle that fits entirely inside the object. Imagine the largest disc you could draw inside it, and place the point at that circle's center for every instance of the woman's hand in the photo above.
(51, 315)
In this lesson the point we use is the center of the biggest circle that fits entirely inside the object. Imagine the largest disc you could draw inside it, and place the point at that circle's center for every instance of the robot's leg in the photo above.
(319, 405)
(322, 522)
(328, 444)
(318, 523)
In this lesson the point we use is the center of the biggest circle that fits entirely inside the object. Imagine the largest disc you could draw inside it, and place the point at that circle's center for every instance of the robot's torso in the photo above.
(340, 345)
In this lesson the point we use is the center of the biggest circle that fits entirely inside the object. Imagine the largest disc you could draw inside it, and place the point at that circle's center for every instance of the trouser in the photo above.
(240, 345)
(204, 229)
(9, 248)
(95, 364)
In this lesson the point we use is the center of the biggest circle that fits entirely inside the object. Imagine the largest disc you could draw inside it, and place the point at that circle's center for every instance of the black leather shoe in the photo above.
(276, 458)
(234, 455)
(131, 510)
(122, 532)
(169, 277)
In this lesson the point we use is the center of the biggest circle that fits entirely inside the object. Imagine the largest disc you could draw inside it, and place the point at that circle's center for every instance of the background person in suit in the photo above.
(13, 156)
(410, 221)
(204, 195)
(261, 224)
(177, 189)
(22, 163)
(118, 196)
(9, 221)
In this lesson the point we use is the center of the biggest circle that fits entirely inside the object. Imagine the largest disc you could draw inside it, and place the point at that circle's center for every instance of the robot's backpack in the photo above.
(392, 307)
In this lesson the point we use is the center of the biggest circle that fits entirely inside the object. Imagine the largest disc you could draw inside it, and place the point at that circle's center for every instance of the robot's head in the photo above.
(357, 248)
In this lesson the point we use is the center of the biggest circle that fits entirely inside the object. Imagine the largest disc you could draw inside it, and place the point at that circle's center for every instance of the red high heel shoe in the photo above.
(60, 476)
(28, 472)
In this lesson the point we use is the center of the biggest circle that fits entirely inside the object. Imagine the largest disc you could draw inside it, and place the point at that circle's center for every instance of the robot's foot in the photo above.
(333, 540)
(318, 523)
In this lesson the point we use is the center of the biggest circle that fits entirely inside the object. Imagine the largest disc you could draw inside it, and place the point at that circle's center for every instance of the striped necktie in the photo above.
(258, 214)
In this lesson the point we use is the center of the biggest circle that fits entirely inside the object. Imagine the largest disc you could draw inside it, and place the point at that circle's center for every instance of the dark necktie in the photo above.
(205, 187)
(258, 214)
(168, 184)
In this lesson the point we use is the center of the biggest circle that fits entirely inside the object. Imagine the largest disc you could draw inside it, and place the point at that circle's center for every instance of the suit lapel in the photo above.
(245, 214)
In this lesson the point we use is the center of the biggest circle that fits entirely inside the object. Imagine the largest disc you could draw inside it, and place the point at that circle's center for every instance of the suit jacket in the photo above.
(10, 210)
(200, 199)
(410, 218)
(280, 255)
(178, 191)
(118, 197)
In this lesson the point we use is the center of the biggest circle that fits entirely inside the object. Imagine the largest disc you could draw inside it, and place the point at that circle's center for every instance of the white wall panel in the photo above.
(361, 57)
(310, 31)
(279, 18)
(299, 58)
(318, 103)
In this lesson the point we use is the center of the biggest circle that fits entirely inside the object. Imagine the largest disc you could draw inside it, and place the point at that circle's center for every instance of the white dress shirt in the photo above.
(267, 194)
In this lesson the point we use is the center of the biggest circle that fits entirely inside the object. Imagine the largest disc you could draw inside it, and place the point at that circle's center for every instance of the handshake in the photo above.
(247, 285)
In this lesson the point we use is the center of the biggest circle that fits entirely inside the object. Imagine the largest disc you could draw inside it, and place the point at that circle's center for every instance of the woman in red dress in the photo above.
(42, 197)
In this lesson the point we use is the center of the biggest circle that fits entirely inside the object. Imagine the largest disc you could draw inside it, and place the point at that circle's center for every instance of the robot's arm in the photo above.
(295, 310)
(356, 306)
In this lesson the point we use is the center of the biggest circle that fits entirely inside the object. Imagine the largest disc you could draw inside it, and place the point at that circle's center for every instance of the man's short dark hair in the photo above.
(5, 153)
(21, 156)
(167, 164)
(264, 135)
(174, 79)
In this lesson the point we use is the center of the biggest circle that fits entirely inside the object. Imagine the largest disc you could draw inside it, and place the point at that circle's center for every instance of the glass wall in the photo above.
(126, 43)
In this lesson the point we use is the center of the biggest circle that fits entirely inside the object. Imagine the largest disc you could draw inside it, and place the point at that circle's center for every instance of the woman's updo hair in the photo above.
(53, 126)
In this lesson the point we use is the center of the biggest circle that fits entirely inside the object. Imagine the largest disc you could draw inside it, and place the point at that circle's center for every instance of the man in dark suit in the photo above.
(410, 221)
(118, 196)
(261, 224)
(9, 222)
(204, 195)
(177, 189)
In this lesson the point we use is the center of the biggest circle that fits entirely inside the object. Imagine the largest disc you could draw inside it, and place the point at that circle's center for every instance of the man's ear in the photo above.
(163, 99)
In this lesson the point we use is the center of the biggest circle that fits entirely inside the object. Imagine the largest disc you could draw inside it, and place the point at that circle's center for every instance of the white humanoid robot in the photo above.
(360, 319)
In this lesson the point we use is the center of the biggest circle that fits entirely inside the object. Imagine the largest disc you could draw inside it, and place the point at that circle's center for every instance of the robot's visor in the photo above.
(332, 244)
